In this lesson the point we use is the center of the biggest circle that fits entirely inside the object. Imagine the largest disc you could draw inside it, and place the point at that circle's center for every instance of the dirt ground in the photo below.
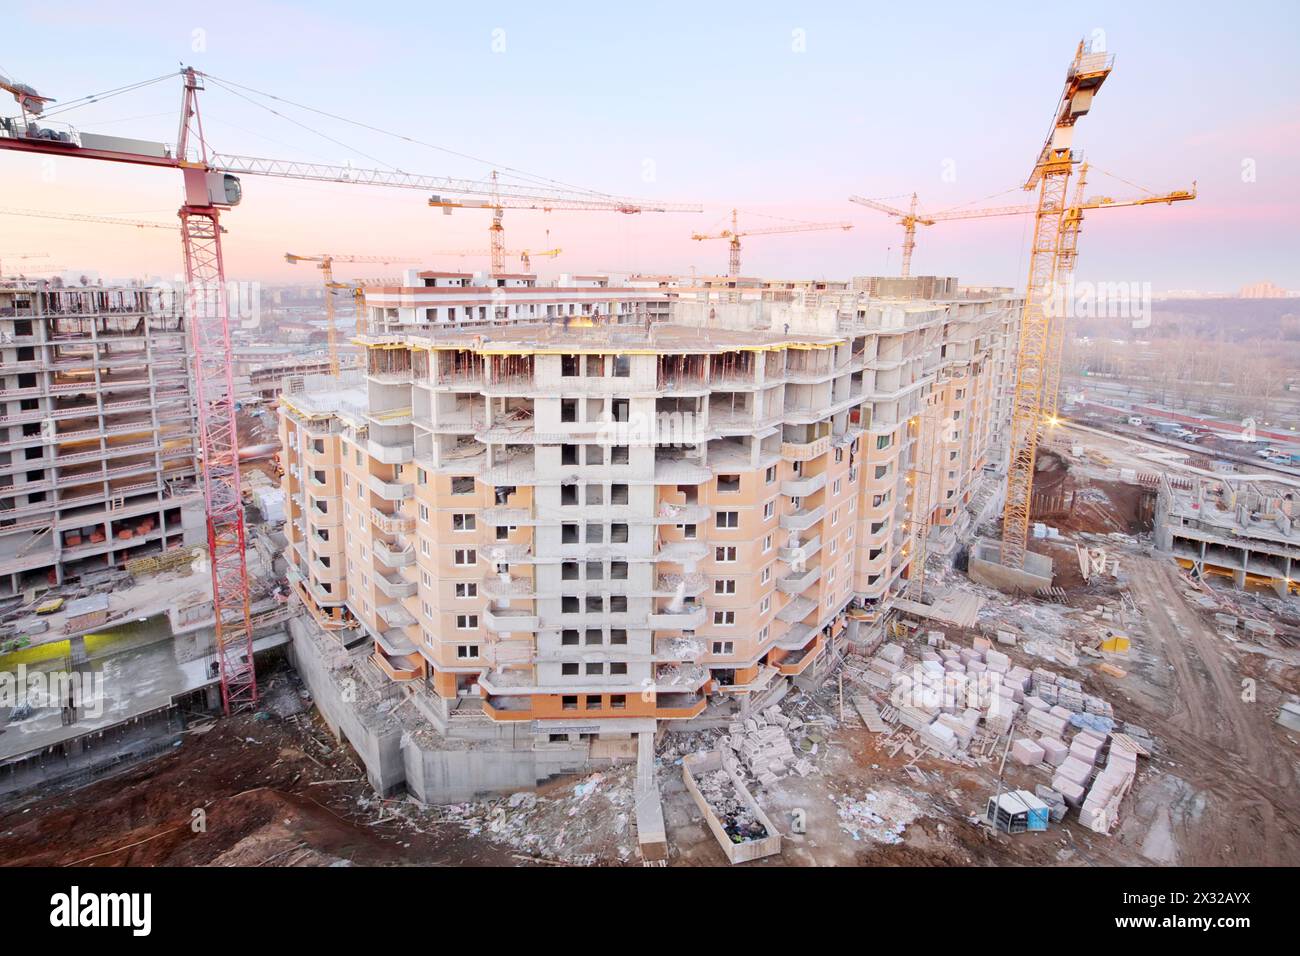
(251, 791)
(1220, 787)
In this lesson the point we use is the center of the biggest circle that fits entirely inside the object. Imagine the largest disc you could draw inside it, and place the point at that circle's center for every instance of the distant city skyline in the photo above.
(782, 112)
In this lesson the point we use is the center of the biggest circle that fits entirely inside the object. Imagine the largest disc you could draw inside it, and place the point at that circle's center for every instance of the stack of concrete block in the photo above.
(963, 730)
(1075, 769)
(1095, 705)
(892, 653)
(1100, 809)
(954, 667)
(1071, 700)
(1034, 703)
(1054, 750)
(981, 644)
(997, 662)
(939, 736)
(1007, 637)
(969, 654)
(1054, 800)
(1070, 791)
(1019, 678)
(1025, 751)
(976, 666)
(915, 717)
(882, 666)
(765, 750)
(1084, 749)
(1047, 723)
(935, 638)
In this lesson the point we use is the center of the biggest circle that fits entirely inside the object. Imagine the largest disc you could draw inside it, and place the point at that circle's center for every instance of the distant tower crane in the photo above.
(20, 255)
(499, 203)
(735, 233)
(211, 186)
(87, 217)
(325, 262)
(910, 219)
(1066, 255)
(525, 255)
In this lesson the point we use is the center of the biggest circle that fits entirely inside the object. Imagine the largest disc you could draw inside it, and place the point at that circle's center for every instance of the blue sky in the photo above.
(780, 109)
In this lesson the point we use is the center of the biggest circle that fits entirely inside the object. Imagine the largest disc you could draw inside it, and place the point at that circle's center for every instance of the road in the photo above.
(1230, 796)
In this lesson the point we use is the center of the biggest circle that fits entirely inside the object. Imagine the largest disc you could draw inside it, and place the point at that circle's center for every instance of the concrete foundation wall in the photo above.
(985, 568)
(449, 776)
(379, 748)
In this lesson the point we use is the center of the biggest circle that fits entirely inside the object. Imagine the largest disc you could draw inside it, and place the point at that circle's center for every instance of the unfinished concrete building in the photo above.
(1232, 526)
(97, 431)
(565, 526)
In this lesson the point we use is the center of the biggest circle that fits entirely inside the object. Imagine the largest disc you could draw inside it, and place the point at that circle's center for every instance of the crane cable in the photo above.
(107, 94)
(525, 176)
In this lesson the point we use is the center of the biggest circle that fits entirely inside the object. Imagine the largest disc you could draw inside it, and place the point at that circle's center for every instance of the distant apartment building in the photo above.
(589, 507)
(97, 431)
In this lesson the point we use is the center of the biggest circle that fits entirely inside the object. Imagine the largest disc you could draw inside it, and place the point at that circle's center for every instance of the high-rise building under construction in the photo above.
(569, 512)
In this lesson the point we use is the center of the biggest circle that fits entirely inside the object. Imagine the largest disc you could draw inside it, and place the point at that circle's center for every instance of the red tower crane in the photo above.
(211, 186)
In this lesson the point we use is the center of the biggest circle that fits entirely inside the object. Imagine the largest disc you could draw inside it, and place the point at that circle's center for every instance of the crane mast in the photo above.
(209, 317)
(1051, 175)
(325, 262)
(735, 233)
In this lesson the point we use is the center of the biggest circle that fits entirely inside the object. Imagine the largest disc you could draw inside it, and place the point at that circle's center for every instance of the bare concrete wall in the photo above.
(449, 776)
(985, 568)
(378, 747)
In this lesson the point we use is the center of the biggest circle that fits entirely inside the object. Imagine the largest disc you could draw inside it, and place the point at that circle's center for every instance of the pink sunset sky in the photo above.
(778, 110)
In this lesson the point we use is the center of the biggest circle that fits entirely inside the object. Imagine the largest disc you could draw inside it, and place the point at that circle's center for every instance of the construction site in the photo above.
(621, 569)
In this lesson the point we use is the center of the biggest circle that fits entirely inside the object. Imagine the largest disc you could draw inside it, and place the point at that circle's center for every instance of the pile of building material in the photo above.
(761, 743)
(881, 815)
(1100, 809)
(738, 819)
(738, 823)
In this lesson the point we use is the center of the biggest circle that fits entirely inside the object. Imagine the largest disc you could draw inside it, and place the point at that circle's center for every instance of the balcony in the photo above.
(794, 663)
(508, 708)
(798, 582)
(395, 586)
(504, 586)
(396, 523)
(391, 491)
(679, 706)
(689, 617)
(395, 615)
(509, 620)
(682, 552)
(803, 519)
(680, 586)
(507, 517)
(688, 676)
(406, 668)
(805, 451)
(802, 487)
(397, 555)
(679, 649)
(796, 610)
(800, 552)
(390, 454)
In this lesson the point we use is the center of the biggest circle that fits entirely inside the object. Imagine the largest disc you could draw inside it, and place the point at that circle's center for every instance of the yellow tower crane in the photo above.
(325, 262)
(525, 255)
(1051, 176)
(735, 233)
(909, 219)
